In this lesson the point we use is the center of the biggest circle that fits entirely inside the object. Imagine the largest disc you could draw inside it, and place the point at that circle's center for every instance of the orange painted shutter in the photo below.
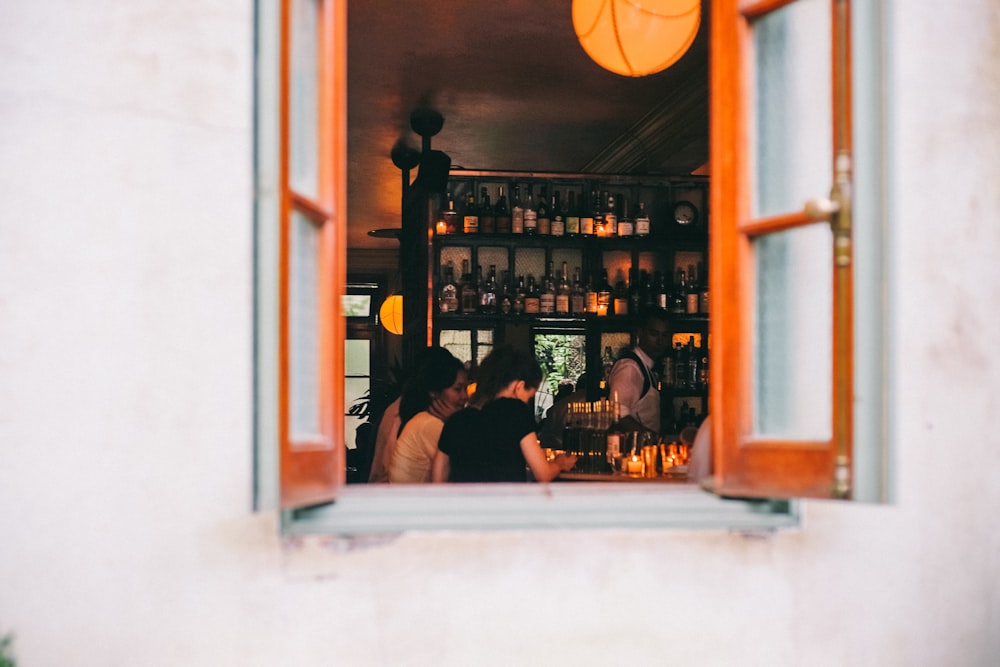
(313, 129)
(781, 270)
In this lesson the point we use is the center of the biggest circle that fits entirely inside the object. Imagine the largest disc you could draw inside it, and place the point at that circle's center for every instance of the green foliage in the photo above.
(6, 651)
(562, 357)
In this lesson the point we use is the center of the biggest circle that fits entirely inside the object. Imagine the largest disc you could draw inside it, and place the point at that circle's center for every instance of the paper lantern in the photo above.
(636, 37)
(391, 314)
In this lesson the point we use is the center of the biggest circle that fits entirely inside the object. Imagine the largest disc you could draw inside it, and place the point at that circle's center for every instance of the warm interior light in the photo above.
(391, 314)
(636, 37)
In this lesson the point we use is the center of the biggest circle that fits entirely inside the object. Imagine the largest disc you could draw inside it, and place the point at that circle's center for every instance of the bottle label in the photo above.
(470, 224)
(692, 303)
(517, 220)
(587, 225)
(547, 303)
(572, 224)
(531, 305)
(642, 226)
(530, 221)
(625, 228)
(611, 224)
(558, 226)
(562, 303)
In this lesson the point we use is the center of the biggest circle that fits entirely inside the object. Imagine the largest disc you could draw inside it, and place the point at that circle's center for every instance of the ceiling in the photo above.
(517, 93)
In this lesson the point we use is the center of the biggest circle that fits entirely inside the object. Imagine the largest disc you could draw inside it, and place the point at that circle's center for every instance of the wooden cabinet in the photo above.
(643, 272)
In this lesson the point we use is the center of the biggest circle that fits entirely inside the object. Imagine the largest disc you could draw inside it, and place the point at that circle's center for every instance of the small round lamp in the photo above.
(391, 314)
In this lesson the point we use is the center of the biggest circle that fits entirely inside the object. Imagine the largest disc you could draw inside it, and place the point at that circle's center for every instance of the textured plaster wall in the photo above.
(125, 402)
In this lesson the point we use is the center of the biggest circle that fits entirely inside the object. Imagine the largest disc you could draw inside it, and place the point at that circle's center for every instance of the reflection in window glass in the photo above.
(303, 329)
(792, 145)
(793, 337)
(303, 100)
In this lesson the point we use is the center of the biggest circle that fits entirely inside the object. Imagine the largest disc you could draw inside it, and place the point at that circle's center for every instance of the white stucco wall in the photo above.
(126, 536)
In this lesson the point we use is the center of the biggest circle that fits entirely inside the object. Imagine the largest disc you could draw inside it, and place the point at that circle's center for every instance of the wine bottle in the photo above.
(517, 212)
(590, 296)
(692, 293)
(530, 214)
(604, 294)
(488, 294)
(587, 215)
(487, 217)
(543, 219)
(626, 226)
(470, 216)
(610, 215)
(577, 303)
(557, 216)
(547, 296)
(501, 213)
(572, 215)
(469, 296)
(620, 295)
(563, 293)
(532, 299)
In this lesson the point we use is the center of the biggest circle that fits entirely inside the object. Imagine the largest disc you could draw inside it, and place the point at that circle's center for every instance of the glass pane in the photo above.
(357, 357)
(793, 337)
(792, 143)
(303, 98)
(303, 328)
(458, 342)
(355, 392)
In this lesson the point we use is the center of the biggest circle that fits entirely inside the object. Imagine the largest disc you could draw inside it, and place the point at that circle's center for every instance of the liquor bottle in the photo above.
(600, 202)
(469, 296)
(642, 226)
(530, 214)
(667, 376)
(563, 293)
(703, 297)
(488, 295)
(703, 364)
(590, 296)
(692, 293)
(614, 440)
(619, 295)
(572, 215)
(662, 292)
(520, 293)
(506, 298)
(487, 217)
(693, 359)
(557, 216)
(543, 219)
(501, 212)
(626, 226)
(577, 303)
(635, 291)
(448, 299)
(680, 366)
(532, 299)
(547, 295)
(587, 215)
(517, 212)
(604, 294)
(678, 299)
(470, 216)
(610, 215)
(450, 217)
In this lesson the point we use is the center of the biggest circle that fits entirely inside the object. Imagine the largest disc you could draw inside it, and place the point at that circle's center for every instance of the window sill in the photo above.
(385, 509)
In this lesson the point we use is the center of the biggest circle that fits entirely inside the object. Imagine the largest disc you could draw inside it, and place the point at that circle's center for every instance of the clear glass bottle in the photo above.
(488, 293)
(577, 302)
(626, 226)
(642, 222)
(563, 292)
(610, 215)
(448, 295)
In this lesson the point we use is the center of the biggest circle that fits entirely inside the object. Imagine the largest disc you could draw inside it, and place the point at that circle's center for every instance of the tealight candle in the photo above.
(634, 466)
(441, 227)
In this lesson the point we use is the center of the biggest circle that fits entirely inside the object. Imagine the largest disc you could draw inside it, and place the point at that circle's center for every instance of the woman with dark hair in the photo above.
(499, 444)
(433, 394)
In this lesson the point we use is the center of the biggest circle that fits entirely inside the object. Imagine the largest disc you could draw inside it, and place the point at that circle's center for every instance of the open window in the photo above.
(783, 377)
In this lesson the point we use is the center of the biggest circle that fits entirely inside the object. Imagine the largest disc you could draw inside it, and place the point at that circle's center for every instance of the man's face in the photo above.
(654, 339)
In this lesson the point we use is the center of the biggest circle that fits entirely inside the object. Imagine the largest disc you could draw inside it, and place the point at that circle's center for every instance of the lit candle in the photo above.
(634, 466)
(441, 227)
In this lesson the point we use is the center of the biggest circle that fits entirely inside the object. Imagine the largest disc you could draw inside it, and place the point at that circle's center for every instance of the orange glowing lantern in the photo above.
(391, 314)
(636, 37)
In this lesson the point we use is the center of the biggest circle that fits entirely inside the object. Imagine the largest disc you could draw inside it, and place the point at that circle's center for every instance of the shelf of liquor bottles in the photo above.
(515, 255)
